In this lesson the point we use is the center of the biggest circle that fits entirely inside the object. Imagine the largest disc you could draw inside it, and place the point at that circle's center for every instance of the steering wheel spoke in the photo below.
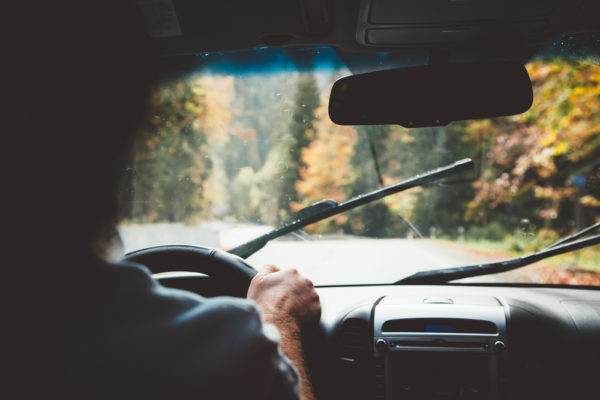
(226, 268)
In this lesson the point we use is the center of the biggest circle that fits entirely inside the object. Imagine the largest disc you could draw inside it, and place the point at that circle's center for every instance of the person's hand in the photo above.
(288, 301)
(285, 297)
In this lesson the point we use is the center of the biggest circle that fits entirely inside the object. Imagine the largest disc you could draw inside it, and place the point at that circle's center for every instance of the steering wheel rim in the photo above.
(215, 263)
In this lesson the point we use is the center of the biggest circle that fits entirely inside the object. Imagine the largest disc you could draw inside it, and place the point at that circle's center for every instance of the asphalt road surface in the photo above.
(349, 261)
(328, 261)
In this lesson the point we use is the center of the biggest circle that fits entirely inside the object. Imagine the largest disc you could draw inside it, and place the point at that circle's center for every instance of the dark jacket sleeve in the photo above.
(159, 342)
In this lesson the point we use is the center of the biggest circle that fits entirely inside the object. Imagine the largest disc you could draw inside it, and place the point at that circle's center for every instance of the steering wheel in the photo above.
(225, 270)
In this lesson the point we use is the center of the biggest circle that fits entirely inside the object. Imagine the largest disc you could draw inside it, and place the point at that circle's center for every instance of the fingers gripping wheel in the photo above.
(227, 268)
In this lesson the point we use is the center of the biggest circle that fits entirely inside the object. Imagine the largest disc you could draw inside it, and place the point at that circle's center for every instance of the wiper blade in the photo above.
(327, 208)
(438, 276)
(574, 236)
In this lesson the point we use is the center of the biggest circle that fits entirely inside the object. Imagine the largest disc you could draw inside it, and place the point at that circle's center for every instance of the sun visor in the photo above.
(429, 22)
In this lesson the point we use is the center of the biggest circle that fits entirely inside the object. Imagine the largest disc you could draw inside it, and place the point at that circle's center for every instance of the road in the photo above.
(329, 261)
(347, 261)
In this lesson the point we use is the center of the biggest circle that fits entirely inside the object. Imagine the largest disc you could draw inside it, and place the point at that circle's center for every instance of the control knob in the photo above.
(381, 345)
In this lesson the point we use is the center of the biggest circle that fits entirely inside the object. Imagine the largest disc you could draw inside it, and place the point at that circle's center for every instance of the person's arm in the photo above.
(291, 345)
(290, 302)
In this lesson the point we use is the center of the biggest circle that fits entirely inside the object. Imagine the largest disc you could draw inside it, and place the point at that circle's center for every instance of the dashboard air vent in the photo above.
(355, 342)
(356, 360)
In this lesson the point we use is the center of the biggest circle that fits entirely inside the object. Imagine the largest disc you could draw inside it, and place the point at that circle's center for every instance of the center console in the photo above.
(439, 348)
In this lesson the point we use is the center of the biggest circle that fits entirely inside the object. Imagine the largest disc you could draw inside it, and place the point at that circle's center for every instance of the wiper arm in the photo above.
(574, 236)
(327, 208)
(438, 276)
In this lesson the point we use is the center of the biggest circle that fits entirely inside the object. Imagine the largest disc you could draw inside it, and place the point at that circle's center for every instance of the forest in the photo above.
(257, 148)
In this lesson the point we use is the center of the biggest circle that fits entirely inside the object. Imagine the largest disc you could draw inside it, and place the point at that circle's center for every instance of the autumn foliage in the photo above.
(533, 157)
(259, 148)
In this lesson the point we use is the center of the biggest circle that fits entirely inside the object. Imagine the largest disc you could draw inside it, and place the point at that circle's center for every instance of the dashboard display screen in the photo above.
(438, 328)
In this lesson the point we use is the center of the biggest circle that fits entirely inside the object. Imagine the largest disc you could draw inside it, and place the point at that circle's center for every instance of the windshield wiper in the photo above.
(327, 208)
(444, 275)
(574, 236)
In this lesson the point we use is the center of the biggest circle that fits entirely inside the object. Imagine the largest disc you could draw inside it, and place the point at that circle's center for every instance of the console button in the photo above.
(381, 345)
(499, 346)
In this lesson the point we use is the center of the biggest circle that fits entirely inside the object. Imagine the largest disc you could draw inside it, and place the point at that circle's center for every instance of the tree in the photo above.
(534, 155)
(300, 133)
(326, 167)
(170, 158)
(368, 163)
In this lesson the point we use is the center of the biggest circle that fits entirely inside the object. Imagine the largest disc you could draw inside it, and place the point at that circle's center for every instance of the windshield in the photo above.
(237, 143)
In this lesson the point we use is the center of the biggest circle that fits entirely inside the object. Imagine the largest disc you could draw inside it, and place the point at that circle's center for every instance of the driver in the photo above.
(87, 328)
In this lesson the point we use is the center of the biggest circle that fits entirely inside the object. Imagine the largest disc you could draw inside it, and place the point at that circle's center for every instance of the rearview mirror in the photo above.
(431, 95)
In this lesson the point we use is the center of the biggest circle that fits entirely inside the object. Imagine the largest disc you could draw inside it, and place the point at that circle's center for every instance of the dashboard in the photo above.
(451, 341)
(458, 342)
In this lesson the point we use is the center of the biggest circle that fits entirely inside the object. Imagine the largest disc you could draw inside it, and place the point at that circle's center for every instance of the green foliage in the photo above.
(533, 156)
(442, 204)
(493, 231)
(300, 133)
(375, 219)
(401, 153)
(260, 111)
(368, 151)
(170, 161)
(277, 151)
(524, 241)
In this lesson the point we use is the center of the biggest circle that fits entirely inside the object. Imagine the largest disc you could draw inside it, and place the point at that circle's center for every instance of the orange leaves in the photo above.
(560, 127)
(554, 196)
(150, 143)
(567, 94)
(327, 161)
(539, 72)
(249, 134)
(590, 201)
(218, 94)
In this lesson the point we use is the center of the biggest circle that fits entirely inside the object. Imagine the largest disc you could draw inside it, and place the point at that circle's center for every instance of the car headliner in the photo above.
(241, 24)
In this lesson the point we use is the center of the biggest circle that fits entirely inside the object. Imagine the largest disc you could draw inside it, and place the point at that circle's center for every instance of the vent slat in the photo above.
(354, 338)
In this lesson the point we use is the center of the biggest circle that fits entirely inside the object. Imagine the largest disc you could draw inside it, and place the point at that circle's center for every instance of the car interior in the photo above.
(420, 338)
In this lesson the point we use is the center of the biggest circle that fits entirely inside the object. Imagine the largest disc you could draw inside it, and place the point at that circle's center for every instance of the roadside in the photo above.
(223, 235)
